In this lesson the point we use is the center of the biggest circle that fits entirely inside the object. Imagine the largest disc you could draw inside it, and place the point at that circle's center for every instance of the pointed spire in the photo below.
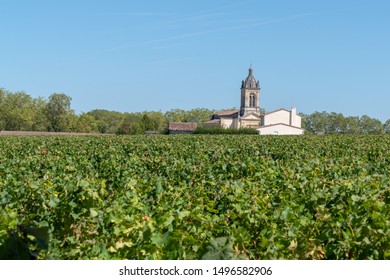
(250, 81)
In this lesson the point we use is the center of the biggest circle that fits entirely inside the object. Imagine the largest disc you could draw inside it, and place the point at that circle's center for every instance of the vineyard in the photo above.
(195, 197)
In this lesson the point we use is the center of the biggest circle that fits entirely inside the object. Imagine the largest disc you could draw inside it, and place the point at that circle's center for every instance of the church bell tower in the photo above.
(250, 95)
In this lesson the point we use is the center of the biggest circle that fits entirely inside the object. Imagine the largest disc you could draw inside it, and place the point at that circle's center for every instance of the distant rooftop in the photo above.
(182, 126)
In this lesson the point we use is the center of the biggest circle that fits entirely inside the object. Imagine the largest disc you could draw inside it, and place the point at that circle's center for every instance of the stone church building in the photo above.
(278, 122)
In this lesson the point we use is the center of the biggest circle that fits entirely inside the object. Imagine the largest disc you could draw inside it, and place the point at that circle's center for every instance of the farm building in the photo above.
(181, 127)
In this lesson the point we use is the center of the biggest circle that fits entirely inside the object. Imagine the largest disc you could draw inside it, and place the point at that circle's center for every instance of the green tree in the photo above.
(316, 122)
(58, 112)
(335, 123)
(132, 123)
(107, 121)
(2, 110)
(199, 115)
(17, 111)
(175, 115)
(41, 122)
(352, 125)
(370, 126)
(154, 121)
(386, 126)
(84, 123)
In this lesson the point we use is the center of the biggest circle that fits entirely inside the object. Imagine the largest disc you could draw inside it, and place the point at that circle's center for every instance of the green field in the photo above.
(194, 197)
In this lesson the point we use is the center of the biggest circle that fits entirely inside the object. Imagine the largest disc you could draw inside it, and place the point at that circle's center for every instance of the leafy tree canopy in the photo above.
(19, 111)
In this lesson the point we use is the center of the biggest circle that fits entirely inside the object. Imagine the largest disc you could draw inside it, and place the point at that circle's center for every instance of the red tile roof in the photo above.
(182, 126)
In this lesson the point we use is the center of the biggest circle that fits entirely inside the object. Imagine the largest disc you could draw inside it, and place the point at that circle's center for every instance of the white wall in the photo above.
(295, 119)
(279, 129)
(280, 116)
(283, 116)
(298, 121)
(227, 122)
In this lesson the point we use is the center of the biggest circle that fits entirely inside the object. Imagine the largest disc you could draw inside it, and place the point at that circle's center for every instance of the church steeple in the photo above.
(250, 94)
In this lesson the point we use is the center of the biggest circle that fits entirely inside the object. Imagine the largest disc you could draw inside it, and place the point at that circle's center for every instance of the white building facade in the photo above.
(279, 122)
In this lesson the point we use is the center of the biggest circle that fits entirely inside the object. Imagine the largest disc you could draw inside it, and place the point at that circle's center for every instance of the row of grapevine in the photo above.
(194, 197)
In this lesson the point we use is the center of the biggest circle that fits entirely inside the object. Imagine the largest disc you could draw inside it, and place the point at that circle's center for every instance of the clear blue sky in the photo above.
(123, 55)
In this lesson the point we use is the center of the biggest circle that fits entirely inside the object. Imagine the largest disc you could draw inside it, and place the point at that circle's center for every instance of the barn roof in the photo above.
(182, 126)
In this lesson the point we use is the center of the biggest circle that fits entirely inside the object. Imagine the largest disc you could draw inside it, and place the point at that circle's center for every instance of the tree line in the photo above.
(21, 112)
(331, 123)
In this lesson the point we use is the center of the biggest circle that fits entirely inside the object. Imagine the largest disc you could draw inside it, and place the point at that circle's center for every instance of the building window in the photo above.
(252, 100)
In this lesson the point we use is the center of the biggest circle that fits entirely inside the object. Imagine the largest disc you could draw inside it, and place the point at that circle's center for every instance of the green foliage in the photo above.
(19, 111)
(131, 124)
(248, 197)
(107, 121)
(331, 123)
(85, 123)
(198, 115)
(139, 123)
(59, 113)
(21, 242)
(386, 126)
